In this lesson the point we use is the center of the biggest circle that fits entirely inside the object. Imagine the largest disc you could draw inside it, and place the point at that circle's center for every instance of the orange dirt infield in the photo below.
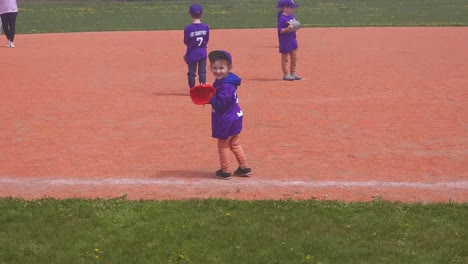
(381, 112)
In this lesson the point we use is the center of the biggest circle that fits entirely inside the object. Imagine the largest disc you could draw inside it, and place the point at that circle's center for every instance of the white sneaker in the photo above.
(12, 45)
(297, 77)
(289, 77)
(8, 43)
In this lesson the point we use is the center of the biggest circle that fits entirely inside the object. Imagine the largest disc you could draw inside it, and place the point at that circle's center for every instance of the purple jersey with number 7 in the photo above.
(196, 37)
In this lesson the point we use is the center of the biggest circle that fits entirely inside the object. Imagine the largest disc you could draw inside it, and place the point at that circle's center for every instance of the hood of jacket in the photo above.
(231, 79)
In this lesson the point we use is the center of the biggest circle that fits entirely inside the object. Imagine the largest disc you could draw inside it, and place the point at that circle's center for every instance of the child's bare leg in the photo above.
(293, 65)
(223, 150)
(236, 148)
(285, 63)
(293, 60)
(285, 66)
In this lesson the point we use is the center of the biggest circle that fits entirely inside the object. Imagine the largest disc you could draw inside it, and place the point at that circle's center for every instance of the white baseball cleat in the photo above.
(12, 45)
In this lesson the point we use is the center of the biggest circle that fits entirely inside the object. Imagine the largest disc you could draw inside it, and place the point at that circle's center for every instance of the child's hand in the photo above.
(287, 29)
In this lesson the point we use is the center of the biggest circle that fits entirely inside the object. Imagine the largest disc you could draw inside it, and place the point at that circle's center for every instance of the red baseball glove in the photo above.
(202, 94)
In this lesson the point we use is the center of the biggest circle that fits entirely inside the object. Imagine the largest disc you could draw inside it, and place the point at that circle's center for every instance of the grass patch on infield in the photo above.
(81, 16)
(226, 231)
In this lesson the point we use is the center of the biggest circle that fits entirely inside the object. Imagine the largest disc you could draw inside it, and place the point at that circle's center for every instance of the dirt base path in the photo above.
(381, 112)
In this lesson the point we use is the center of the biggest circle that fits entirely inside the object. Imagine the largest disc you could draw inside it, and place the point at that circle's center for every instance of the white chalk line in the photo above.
(12, 181)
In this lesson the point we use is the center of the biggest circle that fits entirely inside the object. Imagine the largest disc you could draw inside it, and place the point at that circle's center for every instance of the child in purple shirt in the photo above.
(196, 37)
(226, 117)
(287, 39)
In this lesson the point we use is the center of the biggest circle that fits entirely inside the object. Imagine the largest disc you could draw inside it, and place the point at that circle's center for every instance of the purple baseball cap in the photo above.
(288, 3)
(195, 9)
(220, 54)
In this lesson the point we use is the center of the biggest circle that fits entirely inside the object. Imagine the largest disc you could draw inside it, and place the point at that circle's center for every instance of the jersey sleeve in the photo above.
(281, 23)
(186, 36)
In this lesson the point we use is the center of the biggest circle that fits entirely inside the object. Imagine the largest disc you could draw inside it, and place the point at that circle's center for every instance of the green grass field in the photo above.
(75, 16)
(222, 231)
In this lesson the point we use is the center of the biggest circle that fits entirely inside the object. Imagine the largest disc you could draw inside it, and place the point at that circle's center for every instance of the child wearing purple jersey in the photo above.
(287, 39)
(226, 117)
(196, 37)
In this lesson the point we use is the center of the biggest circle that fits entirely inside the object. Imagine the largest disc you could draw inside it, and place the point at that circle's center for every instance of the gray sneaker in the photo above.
(296, 77)
(289, 77)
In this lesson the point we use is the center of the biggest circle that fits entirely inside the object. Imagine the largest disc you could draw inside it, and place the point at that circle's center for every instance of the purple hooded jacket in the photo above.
(226, 117)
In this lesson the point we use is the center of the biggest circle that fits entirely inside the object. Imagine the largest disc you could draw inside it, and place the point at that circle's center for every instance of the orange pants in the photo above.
(232, 143)
(287, 69)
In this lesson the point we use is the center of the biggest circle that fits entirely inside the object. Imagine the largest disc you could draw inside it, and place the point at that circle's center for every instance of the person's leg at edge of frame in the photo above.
(192, 69)
(6, 29)
(294, 64)
(285, 67)
(10, 22)
(12, 26)
(202, 71)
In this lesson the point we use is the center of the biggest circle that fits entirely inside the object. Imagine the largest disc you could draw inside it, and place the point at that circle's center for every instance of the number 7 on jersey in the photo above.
(200, 41)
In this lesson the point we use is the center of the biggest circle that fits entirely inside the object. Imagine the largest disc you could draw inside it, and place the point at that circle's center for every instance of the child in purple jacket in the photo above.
(226, 117)
(196, 37)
